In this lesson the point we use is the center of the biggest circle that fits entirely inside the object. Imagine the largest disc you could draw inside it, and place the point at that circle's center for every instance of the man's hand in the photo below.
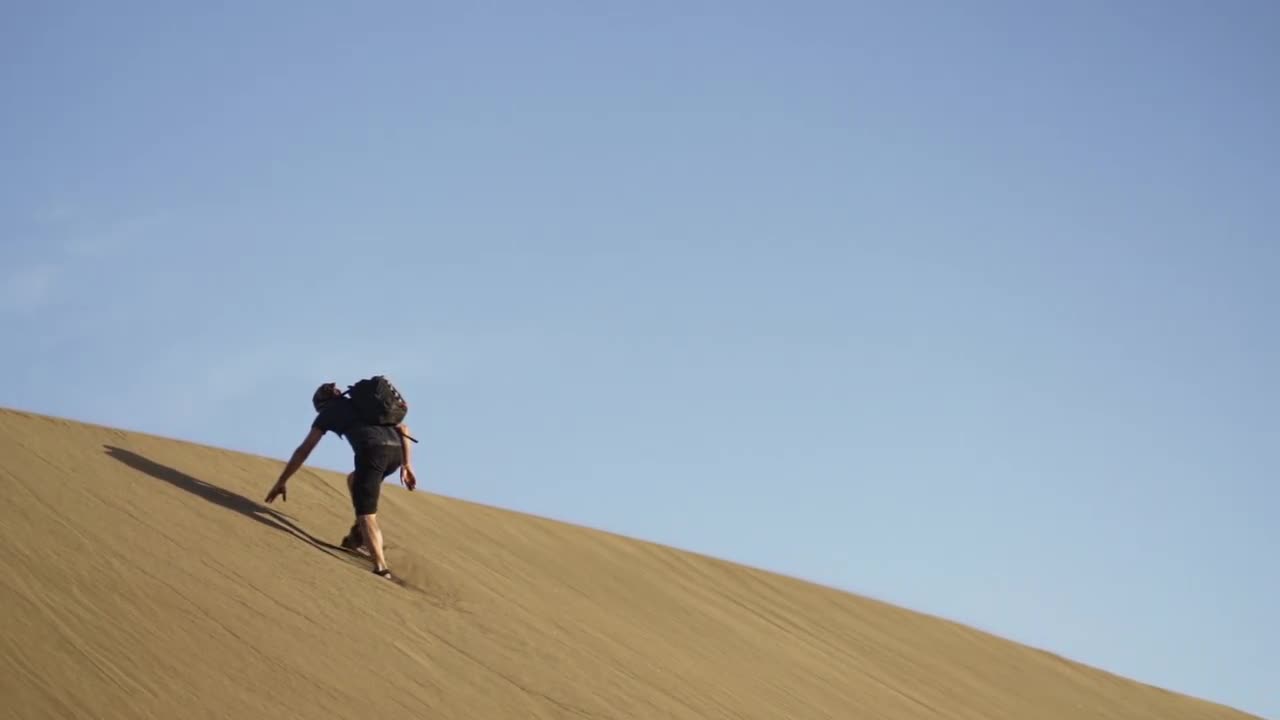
(278, 489)
(407, 478)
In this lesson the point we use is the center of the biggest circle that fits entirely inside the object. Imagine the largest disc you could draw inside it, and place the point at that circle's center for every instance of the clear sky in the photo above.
(972, 307)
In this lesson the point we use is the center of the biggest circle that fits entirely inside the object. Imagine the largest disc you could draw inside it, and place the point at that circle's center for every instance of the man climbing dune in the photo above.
(370, 415)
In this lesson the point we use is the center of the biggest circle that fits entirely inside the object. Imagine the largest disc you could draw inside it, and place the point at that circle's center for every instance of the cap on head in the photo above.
(324, 394)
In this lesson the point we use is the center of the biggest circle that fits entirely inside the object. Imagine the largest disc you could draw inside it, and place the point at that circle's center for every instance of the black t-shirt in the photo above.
(339, 416)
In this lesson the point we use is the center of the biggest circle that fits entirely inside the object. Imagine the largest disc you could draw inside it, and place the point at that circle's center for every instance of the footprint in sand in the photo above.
(425, 576)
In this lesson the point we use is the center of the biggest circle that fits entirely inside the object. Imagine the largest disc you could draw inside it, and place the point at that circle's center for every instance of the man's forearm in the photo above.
(295, 462)
(404, 445)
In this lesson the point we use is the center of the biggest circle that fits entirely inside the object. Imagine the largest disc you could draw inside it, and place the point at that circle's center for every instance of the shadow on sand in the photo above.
(219, 496)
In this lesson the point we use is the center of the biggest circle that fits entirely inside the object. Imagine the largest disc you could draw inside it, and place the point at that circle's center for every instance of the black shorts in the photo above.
(373, 464)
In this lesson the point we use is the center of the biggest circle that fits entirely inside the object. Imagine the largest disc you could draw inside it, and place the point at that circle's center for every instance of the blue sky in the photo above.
(971, 307)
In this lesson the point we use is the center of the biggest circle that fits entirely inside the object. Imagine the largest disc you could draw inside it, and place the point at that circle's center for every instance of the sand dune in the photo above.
(143, 578)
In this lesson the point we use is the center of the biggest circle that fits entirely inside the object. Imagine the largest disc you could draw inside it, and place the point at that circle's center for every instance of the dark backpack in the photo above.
(378, 401)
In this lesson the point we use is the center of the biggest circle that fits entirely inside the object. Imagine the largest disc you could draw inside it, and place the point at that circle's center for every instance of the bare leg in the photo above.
(373, 540)
(354, 540)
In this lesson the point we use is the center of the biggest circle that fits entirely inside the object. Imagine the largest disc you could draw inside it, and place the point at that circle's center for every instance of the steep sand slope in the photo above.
(142, 578)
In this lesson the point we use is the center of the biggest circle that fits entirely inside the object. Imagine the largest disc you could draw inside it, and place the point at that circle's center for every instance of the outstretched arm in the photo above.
(300, 455)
